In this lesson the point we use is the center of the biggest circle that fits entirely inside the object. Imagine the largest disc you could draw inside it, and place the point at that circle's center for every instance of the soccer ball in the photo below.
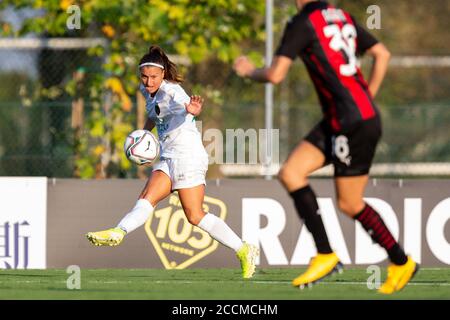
(141, 147)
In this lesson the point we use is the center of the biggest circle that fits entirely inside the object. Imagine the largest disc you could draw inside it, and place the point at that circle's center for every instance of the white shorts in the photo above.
(184, 172)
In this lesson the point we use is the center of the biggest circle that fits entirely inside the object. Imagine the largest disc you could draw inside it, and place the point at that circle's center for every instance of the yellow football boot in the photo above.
(110, 237)
(320, 266)
(247, 255)
(399, 276)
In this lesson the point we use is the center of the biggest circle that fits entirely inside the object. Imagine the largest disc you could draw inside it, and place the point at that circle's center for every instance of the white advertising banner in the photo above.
(23, 220)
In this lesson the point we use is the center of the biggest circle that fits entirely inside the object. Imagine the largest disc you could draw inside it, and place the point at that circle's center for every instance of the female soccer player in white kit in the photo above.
(183, 162)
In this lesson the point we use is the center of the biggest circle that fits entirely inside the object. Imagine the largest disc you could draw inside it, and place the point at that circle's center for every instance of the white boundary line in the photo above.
(442, 284)
(380, 169)
(420, 61)
(67, 44)
(52, 43)
(283, 282)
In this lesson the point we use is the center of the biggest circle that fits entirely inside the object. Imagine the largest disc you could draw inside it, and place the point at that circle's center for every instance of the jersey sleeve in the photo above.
(296, 37)
(364, 39)
(179, 98)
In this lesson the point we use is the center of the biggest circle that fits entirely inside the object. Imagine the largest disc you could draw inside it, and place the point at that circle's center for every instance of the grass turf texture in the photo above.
(206, 284)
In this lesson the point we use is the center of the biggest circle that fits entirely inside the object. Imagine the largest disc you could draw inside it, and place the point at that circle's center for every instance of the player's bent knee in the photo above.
(350, 207)
(291, 178)
(285, 174)
(281, 174)
(194, 218)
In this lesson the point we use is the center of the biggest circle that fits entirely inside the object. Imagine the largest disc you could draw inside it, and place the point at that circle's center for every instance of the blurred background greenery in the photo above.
(64, 112)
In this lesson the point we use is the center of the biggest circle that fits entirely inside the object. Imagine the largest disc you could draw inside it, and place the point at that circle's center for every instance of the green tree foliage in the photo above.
(199, 30)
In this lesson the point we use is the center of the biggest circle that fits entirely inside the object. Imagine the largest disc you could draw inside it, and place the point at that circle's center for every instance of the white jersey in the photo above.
(177, 132)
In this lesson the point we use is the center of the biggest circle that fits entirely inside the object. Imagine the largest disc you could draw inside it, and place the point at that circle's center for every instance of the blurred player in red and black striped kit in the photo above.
(328, 40)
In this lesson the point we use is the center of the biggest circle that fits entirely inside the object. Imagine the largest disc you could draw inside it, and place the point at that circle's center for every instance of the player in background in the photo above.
(328, 41)
(183, 162)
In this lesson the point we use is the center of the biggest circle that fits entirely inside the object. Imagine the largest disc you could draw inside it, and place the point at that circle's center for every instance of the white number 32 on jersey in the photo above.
(345, 40)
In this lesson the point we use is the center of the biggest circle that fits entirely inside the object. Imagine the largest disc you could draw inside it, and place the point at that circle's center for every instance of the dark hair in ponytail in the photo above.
(156, 55)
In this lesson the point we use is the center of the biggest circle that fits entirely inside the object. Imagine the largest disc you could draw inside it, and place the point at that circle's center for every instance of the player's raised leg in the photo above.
(192, 201)
(305, 159)
(158, 187)
(350, 192)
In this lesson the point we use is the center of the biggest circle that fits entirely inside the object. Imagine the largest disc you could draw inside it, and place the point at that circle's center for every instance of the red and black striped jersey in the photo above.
(329, 40)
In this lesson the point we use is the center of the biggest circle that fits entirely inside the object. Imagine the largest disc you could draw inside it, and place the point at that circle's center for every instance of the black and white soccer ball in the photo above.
(141, 147)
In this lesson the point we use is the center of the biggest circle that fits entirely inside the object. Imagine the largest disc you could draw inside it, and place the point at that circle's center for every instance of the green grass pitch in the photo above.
(209, 284)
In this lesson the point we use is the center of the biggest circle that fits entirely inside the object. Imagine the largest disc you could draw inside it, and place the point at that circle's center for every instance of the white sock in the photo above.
(220, 231)
(137, 216)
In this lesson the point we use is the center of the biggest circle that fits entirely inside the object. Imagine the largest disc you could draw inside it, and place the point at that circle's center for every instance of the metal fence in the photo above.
(36, 134)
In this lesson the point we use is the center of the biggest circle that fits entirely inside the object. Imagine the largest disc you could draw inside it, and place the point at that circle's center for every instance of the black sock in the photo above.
(308, 209)
(374, 225)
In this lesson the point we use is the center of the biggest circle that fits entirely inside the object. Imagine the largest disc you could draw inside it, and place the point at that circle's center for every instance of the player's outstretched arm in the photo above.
(274, 74)
(194, 107)
(381, 57)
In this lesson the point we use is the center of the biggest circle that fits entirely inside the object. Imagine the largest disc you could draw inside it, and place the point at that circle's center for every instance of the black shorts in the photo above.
(351, 151)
